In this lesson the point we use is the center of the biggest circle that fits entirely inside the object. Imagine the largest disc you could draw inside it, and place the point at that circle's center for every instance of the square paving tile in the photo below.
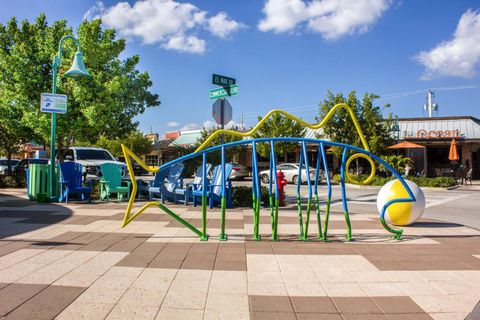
(356, 305)
(47, 304)
(397, 305)
(313, 305)
(270, 304)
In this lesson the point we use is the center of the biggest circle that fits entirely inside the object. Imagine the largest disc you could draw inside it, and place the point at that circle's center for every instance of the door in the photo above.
(476, 165)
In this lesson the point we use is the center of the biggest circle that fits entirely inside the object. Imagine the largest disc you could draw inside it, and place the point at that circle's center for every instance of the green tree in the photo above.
(340, 127)
(279, 126)
(13, 133)
(398, 162)
(214, 157)
(104, 105)
(135, 141)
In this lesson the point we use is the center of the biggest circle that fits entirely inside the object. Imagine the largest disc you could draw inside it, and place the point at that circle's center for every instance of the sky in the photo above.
(288, 54)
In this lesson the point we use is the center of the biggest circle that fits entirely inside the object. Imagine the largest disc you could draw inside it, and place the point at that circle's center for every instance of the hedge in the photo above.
(242, 196)
(438, 182)
(15, 181)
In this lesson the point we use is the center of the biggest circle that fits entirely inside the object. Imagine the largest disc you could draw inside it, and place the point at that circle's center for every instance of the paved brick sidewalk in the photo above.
(76, 262)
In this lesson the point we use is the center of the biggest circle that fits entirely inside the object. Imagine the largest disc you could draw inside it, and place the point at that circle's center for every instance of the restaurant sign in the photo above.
(432, 134)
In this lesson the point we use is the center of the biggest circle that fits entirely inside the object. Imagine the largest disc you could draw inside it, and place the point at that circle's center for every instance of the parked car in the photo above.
(137, 168)
(290, 170)
(23, 164)
(91, 159)
(239, 171)
(4, 165)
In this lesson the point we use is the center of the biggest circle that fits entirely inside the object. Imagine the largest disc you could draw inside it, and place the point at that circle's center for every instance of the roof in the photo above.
(461, 127)
(187, 138)
(311, 133)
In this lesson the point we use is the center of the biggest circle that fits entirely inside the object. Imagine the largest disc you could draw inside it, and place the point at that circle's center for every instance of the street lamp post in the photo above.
(77, 70)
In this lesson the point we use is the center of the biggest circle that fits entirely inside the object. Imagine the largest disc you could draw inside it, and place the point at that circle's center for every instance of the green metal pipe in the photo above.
(179, 219)
(327, 216)
(223, 236)
(204, 236)
(307, 220)
(349, 226)
(300, 218)
(319, 221)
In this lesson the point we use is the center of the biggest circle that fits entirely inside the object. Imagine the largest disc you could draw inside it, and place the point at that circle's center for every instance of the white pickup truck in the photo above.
(91, 159)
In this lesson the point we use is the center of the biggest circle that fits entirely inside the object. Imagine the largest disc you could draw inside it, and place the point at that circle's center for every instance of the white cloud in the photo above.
(190, 126)
(222, 26)
(209, 124)
(172, 124)
(171, 24)
(331, 18)
(457, 57)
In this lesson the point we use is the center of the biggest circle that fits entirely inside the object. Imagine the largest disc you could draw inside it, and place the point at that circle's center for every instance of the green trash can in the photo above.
(37, 180)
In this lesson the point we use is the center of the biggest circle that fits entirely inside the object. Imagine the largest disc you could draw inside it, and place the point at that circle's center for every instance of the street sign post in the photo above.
(222, 80)
(224, 92)
(222, 110)
(53, 103)
(217, 111)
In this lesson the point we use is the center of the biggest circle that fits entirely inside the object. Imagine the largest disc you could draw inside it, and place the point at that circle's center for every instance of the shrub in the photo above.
(242, 196)
(438, 182)
(95, 189)
(15, 181)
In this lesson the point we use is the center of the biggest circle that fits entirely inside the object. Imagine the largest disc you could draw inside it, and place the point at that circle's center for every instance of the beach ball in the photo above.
(401, 213)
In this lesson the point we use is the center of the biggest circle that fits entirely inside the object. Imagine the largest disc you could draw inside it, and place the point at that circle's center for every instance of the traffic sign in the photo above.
(222, 80)
(217, 111)
(53, 103)
(224, 92)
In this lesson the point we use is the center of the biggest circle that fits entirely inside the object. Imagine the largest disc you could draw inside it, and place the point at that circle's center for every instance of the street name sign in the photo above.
(217, 111)
(224, 92)
(222, 80)
(53, 103)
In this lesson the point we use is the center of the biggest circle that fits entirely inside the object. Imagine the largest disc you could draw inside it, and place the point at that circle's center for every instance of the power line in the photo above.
(392, 96)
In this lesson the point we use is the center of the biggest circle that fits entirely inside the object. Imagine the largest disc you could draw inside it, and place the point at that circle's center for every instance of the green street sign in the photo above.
(222, 80)
(224, 92)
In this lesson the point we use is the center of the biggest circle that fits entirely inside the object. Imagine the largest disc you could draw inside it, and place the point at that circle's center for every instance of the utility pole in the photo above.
(430, 106)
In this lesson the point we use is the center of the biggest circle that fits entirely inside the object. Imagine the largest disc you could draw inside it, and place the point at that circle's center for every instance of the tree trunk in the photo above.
(9, 163)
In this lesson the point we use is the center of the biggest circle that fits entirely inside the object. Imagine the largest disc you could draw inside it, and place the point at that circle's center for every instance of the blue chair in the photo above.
(197, 182)
(169, 185)
(71, 182)
(214, 187)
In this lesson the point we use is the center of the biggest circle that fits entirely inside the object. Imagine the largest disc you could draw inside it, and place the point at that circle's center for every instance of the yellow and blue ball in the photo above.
(401, 213)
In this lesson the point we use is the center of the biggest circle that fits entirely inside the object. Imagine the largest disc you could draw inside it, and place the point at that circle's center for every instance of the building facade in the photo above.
(436, 135)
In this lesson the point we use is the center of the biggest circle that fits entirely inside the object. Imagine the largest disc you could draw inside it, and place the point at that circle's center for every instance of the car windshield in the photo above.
(4, 162)
(94, 155)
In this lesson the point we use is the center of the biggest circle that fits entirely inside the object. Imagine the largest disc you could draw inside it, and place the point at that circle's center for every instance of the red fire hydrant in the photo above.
(281, 187)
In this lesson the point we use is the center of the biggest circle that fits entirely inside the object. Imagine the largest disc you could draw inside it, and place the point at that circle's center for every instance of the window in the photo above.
(151, 160)
(69, 155)
(91, 154)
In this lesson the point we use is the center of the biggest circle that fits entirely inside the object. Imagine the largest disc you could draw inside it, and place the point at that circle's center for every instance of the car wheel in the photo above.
(265, 178)
(295, 179)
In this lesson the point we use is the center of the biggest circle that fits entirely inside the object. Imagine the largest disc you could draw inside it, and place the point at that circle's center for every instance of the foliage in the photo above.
(104, 105)
(191, 164)
(340, 127)
(135, 141)
(438, 182)
(242, 196)
(214, 157)
(279, 126)
(398, 162)
(15, 181)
